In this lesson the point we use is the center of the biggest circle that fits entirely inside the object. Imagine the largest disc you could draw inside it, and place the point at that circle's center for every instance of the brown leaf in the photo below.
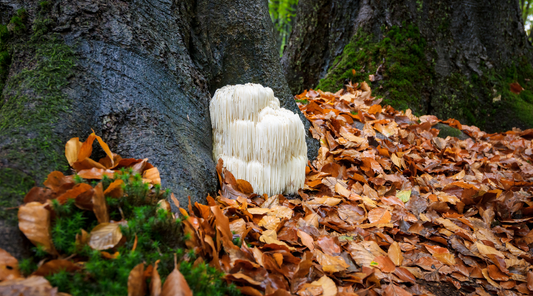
(379, 216)
(516, 88)
(86, 148)
(496, 274)
(58, 182)
(100, 204)
(404, 275)
(307, 240)
(39, 194)
(31, 286)
(384, 264)
(105, 236)
(530, 280)
(34, 222)
(74, 192)
(9, 266)
(95, 173)
(155, 283)
(244, 186)
(72, 149)
(55, 266)
(393, 290)
(395, 254)
(152, 175)
(363, 253)
(176, 285)
(330, 263)
(108, 255)
(328, 286)
(222, 222)
(115, 189)
(136, 281)
(107, 151)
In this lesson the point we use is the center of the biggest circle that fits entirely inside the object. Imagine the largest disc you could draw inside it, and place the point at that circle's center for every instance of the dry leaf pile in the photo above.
(388, 208)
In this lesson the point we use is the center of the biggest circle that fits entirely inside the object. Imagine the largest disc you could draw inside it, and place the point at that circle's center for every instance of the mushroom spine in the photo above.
(257, 140)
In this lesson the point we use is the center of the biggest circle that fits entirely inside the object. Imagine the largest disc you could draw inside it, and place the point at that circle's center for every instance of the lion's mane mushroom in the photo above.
(257, 140)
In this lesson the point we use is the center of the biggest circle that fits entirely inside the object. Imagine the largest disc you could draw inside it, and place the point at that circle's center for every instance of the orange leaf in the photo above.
(244, 187)
(530, 280)
(375, 109)
(58, 183)
(95, 173)
(72, 149)
(107, 151)
(87, 164)
(100, 204)
(385, 264)
(109, 255)
(74, 192)
(496, 274)
(9, 266)
(155, 283)
(176, 285)
(34, 222)
(55, 266)
(307, 240)
(86, 148)
(395, 254)
(136, 281)
(39, 194)
(115, 189)
(152, 175)
(379, 216)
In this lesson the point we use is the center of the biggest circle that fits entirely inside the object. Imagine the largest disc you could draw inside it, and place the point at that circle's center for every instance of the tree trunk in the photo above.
(140, 73)
(450, 58)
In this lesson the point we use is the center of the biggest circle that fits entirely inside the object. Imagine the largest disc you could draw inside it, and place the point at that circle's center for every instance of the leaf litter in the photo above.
(387, 206)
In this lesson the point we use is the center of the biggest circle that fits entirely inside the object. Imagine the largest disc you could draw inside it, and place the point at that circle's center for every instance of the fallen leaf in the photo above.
(100, 204)
(152, 175)
(385, 264)
(516, 88)
(33, 285)
(9, 266)
(404, 195)
(136, 281)
(328, 286)
(393, 290)
(395, 254)
(54, 266)
(176, 285)
(155, 283)
(34, 222)
(330, 263)
(379, 216)
(105, 236)
(115, 189)
(72, 149)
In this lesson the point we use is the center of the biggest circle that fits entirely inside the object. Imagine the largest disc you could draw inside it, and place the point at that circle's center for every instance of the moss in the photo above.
(401, 56)
(154, 232)
(448, 131)
(15, 185)
(33, 102)
(409, 80)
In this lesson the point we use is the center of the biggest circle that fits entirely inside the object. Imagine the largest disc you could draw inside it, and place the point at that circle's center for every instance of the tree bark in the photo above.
(140, 73)
(472, 51)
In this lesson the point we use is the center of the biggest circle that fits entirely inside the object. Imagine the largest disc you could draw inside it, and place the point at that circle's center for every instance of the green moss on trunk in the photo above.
(408, 80)
(400, 57)
(33, 102)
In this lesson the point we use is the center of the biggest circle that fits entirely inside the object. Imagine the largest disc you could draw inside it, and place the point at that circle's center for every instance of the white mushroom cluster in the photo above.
(257, 140)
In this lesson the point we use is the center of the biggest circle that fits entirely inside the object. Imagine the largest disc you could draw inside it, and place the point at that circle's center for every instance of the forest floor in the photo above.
(389, 207)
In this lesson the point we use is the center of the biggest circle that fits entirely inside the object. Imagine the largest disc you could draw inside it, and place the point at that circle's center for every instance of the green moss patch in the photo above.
(32, 99)
(400, 56)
